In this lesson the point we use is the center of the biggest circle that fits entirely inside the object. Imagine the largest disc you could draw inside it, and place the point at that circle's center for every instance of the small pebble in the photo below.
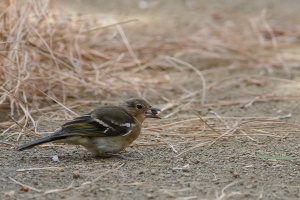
(24, 188)
(153, 171)
(143, 5)
(55, 158)
(185, 169)
(76, 174)
(150, 196)
(10, 193)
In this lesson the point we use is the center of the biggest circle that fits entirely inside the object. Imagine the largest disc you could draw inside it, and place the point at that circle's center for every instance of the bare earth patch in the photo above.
(225, 75)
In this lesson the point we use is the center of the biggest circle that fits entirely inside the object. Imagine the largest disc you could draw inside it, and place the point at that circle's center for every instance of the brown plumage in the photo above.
(106, 130)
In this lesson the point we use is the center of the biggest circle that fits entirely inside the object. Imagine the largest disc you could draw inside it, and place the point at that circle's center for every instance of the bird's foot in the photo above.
(120, 156)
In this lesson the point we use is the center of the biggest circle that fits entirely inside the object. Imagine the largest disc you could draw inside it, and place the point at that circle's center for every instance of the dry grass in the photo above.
(53, 61)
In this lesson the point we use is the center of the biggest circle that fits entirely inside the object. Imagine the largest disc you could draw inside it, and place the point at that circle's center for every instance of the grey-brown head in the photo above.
(140, 109)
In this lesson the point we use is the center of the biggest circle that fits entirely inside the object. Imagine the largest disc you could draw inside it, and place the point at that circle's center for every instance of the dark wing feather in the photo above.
(102, 122)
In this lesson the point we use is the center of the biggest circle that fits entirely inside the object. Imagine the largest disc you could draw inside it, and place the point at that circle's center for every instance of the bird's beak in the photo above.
(152, 112)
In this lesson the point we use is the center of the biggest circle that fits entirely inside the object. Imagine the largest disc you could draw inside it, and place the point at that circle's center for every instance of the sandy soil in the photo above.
(263, 166)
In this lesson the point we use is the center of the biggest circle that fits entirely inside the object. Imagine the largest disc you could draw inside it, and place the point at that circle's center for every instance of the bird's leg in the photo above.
(121, 156)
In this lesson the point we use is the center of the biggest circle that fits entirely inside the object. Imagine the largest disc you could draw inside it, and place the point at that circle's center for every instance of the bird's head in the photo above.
(140, 109)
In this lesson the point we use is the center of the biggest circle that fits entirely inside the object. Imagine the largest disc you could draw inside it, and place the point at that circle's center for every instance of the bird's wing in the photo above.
(102, 122)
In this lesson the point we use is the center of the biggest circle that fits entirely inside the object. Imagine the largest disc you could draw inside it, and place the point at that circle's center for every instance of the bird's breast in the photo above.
(132, 135)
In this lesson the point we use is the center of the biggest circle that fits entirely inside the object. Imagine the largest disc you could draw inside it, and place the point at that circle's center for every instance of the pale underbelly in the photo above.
(99, 145)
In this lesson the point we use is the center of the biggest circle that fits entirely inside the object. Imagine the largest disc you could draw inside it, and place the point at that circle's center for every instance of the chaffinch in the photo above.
(106, 130)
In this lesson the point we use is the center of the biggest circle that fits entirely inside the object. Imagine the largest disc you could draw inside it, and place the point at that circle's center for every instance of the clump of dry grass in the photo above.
(49, 56)
(52, 60)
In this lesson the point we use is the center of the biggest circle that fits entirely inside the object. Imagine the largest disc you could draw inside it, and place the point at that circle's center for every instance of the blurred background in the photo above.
(224, 73)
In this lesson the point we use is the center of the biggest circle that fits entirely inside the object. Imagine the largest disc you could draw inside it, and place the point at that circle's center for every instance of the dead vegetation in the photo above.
(55, 62)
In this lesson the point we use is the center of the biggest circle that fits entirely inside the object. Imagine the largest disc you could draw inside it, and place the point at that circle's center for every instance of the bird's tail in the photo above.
(35, 142)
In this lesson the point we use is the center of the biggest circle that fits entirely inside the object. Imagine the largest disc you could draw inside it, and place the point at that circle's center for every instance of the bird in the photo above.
(104, 131)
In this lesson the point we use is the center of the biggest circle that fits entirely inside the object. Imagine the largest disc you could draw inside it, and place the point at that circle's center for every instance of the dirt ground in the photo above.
(264, 165)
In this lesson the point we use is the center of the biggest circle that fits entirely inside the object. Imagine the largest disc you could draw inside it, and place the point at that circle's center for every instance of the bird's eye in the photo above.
(139, 106)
